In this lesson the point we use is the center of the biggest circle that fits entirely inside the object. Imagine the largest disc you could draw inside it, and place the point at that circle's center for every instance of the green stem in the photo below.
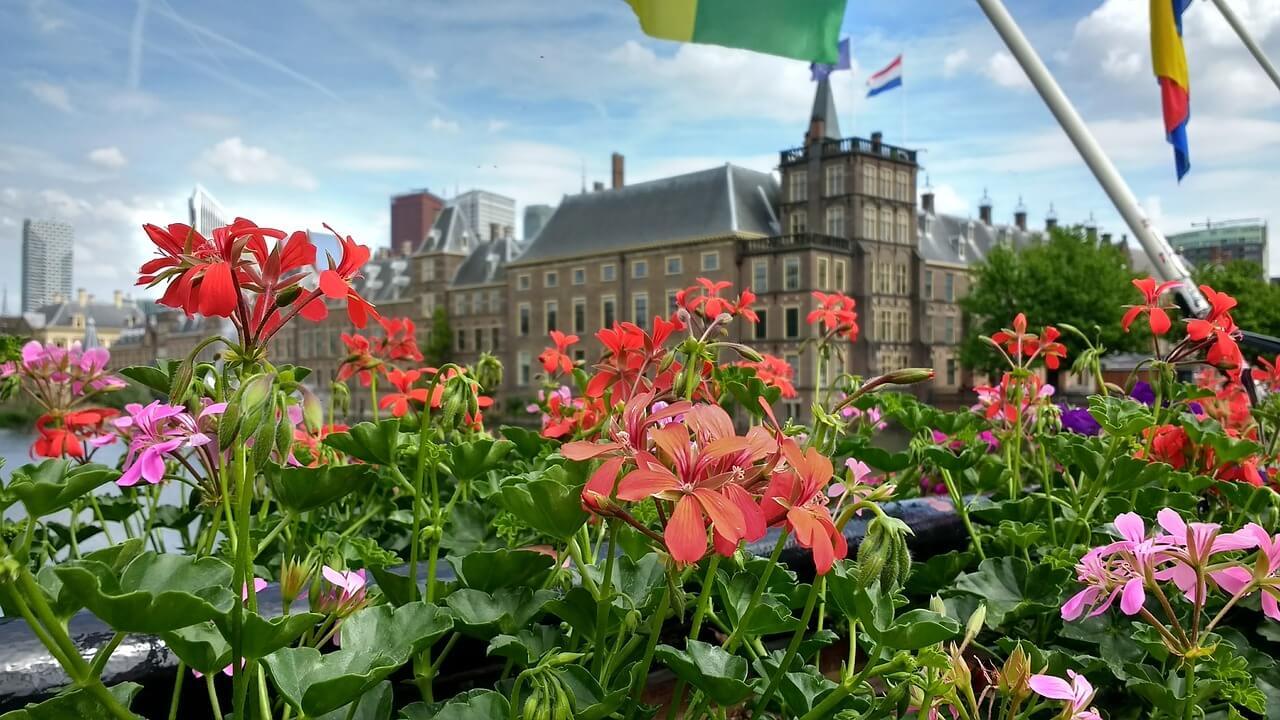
(793, 647)
(731, 642)
(240, 675)
(373, 395)
(603, 601)
(104, 654)
(655, 629)
(266, 541)
(213, 696)
(176, 699)
(699, 613)
(962, 509)
(1189, 693)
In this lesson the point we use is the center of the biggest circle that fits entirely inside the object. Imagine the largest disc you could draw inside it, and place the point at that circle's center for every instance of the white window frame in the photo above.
(799, 322)
(604, 300)
(547, 307)
(639, 269)
(521, 310)
(788, 263)
(840, 275)
(679, 260)
(579, 302)
(612, 269)
(714, 265)
(757, 266)
(824, 274)
(524, 281)
(579, 275)
(641, 319)
(551, 279)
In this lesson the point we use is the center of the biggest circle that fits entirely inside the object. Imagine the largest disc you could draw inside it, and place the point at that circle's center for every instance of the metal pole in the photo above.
(1167, 263)
(1234, 21)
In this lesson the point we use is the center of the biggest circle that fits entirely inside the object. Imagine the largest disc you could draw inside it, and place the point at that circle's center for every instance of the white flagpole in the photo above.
(1234, 21)
(1167, 263)
(902, 70)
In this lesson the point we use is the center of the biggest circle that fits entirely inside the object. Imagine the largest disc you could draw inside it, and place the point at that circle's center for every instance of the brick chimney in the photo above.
(877, 138)
(117, 298)
(1051, 220)
(618, 163)
(985, 208)
(597, 186)
(1020, 216)
(82, 297)
(926, 197)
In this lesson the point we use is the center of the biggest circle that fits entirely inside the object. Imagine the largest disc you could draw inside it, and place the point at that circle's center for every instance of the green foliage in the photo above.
(1258, 308)
(439, 349)
(1068, 279)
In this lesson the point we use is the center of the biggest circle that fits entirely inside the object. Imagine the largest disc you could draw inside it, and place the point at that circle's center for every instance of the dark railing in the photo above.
(795, 241)
(851, 145)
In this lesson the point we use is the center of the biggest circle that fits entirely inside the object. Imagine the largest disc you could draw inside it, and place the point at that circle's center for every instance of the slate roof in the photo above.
(104, 314)
(824, 109)
(385, 280)
(965, 241)
(451, 232)
(718, 202)
(486, 264)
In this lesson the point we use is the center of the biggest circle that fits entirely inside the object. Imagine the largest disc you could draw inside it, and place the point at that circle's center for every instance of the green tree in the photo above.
(1067, 278)
(1259, 301)
(440, 348)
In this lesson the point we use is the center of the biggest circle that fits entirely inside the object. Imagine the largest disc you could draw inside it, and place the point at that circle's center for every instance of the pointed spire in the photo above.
(824, 124)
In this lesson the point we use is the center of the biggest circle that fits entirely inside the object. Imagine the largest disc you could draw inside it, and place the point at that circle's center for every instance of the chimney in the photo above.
(1020, 216)
(117, 298)
(984, 208)
(406, 248)
(618, 163)
(493, 231)
(1091, 228)
(876, 138)
(1051, 220)
(597, 186)
(1106, 238)
(82, 297)
(926, 197)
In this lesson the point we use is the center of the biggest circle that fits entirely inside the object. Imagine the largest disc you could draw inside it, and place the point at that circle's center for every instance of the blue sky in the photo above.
(299, 112)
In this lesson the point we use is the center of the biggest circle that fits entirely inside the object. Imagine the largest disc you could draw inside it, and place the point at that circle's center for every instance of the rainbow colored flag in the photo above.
(800, 29)
(1169, 60)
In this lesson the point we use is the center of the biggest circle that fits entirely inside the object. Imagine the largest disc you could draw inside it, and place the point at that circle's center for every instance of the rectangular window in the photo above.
(904, 188)
(791, 273)
(639, 269)
(928, 284)
(459, 304)
(949, 287)
(835, 180)
(949, 329)
(495, 335)
(495, 301)
(869, 179)
(799, 222)
(793, 322)
(675, 264)
(462, 341)
(477, 302)
(608, 272)
(550, 309)
(579, 316)
(951, 371)
(760, 276)
(579, 276)
(841, 277)
(902, 279)
(762, 325)
(523, 282)
(579, 355)
(479, 338)
(886, 183)
(551, 279)
(798, 186)
(904, 326)
(869, 223)
(525, 314)
(640, 309)
(835, 220)
(824, 273)
(429, 270)
(524, 363)
(710, 261)
(608, 311)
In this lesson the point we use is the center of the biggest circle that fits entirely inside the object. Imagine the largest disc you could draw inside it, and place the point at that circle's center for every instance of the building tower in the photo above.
(47, 250)
(412, 216)
(205, 213)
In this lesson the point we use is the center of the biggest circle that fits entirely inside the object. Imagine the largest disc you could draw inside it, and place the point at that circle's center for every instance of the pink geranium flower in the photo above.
(157, 430)
(1195, 545)
(1076, 693)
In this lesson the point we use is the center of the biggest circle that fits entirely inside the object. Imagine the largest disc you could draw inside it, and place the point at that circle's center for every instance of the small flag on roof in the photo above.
(887, 79)
(1169, 60)
(804, 30)
(821, 71)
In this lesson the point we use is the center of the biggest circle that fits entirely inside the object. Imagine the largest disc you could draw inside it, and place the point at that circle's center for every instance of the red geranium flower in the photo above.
(1051, 350)
(1218, 330)
(1156, 315)
(360, 360)
(704, 299)
(66, 436)
(401, 341)
(773, 371)
(835, 312)
(1017, 341)
(798, 494)
(335, 284)
(403, 381)
(1267, 373)
(556, 359)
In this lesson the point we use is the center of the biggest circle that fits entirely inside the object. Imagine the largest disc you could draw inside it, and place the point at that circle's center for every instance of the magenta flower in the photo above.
(1102, 586)
(346, 593)
(158, 430)
(1077, 694)
(1196, 544)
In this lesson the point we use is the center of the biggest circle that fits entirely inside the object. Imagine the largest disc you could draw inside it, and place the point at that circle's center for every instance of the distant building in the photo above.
(68, 320)
(1217, 243)
(47, 249)
(490, 215)
(535, 218)
(412, 216)
(204, 212)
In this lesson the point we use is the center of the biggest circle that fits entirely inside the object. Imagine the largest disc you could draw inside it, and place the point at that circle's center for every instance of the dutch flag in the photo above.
(887, 79)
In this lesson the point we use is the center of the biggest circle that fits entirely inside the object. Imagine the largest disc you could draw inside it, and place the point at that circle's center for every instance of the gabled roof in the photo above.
(105, 315)
(486, 264)
(385, 280)
(451, 232)
(719, 202)
(824, 109)
(965, 241)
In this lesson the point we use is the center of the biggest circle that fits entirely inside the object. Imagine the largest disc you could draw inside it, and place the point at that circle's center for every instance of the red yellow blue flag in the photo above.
(1169, 60)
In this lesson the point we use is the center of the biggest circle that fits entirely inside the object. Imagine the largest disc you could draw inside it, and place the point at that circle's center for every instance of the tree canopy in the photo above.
(1066, 278)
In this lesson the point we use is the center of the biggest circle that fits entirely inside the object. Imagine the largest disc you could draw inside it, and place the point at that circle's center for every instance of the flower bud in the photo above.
(228, 426)
(883, 554)
(255, 392)
(295, 576)
(488, 372)
(285, 298)
(1014, 677)
(312, 410)
(936, 605)
(909, 376)
(974, 626)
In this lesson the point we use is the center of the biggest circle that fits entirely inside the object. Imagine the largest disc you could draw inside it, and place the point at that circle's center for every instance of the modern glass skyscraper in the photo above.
(489, 215)
(205, 212)
(47, 248)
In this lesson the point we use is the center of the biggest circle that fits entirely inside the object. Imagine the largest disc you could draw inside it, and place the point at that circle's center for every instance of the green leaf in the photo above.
(800, 691)
(471, 705)
(916, 629)
(148, 375)
(375, 704)
(200, 646)
(376, 642)
(718, 674)
(636, 582)
(1012, 589)
(263, 636)
(937, 572)
(771, 614)
(1120, 416)
(369, 442)
(76, 703)
(526, 646)
(545, 501)
(299, 489)
(491, 570)
(473, 458)
(54, 484)
(578, 608)
(470, 528)
(590, 701)
(528, 443)
(154, 593)
(484, 615)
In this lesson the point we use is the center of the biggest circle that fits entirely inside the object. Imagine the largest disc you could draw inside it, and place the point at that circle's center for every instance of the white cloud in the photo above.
(250, 165)
(110, 158)
(946, 199)
(1122, 64)
(439, 124)
(54, 96)
(422, 73)
(364, 162)
(954, 62)
(498, 125)
(210, 121)
(1005, 71)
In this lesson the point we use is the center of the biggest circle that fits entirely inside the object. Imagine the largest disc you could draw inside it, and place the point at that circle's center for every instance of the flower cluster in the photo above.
(836, 315)
(1022, 348)
(703, 300)
(64, 382)
(158, 431)
(368, 356)
(773, 371)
